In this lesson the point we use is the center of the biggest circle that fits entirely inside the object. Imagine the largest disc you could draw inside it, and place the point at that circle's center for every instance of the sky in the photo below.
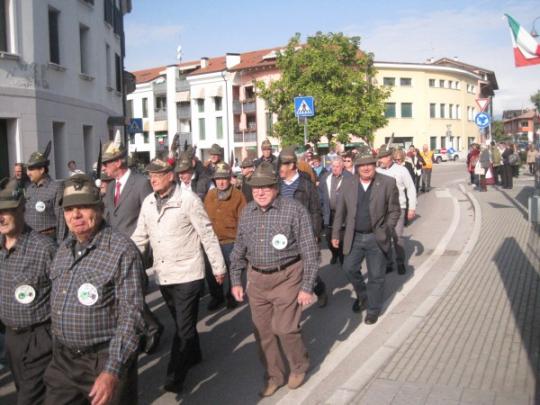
(397, 31)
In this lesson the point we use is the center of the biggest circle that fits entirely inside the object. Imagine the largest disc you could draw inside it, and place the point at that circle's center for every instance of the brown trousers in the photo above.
(276, 316)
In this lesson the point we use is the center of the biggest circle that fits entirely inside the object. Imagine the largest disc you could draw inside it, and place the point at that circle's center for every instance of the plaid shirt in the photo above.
(50, 193)
(111, 264)
(26, 263)
(256, 229)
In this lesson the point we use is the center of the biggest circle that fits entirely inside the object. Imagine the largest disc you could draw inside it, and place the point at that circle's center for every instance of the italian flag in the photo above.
(526, 49)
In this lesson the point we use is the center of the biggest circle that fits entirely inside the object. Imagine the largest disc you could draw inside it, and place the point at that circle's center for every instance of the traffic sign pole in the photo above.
(305, 131)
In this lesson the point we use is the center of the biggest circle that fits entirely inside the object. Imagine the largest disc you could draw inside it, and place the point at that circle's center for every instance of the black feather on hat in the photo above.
(38, 159)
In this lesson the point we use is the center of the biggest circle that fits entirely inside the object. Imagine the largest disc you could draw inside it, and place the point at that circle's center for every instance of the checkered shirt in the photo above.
(26, 264)
(112, 264)
(256, 230)
(50, 193)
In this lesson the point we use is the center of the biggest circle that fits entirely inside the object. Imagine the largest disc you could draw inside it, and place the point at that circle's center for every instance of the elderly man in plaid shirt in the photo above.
(275, 242)
(96, 306)
(25, 258)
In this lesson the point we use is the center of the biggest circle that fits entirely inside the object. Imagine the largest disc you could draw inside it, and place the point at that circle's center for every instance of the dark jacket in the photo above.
(324, 193)
(272, 159)
(384, 210)
(308, 196)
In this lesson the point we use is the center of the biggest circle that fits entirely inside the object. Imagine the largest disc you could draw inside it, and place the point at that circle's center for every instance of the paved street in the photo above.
(460, 327)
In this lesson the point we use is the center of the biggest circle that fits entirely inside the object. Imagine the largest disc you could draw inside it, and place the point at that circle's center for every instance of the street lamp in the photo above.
(533, 30)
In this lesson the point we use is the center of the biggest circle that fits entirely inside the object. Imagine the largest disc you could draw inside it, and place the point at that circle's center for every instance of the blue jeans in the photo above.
(365, 246)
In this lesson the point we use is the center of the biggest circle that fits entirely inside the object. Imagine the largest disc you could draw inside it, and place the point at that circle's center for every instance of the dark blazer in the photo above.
(124, 216)
(384, 210)
(324, 193)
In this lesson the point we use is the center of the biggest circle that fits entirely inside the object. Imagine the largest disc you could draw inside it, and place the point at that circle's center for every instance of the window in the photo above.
(390, 110)
(432, 110)
(405, 81)
(3, 27)
(146, 137)
(54, 46)
(524, 124)
(88, 144)
(200, 105)
(451, 111)
(458, 111)
(132, 139)
(84, 33)
(406, 110)
(450, 84)
(441, 83)
(161, 103)
(432, 142)
(442, 110)
(219, 127)
(108, 65)
(202, 129)
(443, 142)
(145, 108)
(389, 81)
(249, 93)
(109, 10)
(129, 108)
(218, 103)
(431, 82)
(118, 67)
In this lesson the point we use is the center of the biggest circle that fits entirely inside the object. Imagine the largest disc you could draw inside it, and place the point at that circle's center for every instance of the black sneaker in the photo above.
(401, 269)
(358, 306)
(173, 386)
(371, 319)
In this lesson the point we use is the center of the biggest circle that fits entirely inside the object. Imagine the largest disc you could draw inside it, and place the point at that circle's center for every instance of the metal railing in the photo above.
(160, 114)
(183, 112)
(245, 137)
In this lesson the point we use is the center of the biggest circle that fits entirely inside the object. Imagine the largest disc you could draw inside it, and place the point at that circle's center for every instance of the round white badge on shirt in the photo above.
(25, 294)
(87, 294)
(279, 241)
(40, 206)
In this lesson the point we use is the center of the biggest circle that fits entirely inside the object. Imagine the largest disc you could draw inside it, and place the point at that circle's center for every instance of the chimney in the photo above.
(232, 59)
(204, 62)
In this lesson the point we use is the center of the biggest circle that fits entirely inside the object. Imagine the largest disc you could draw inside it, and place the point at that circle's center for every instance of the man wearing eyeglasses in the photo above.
(407, 193)
(348, 162)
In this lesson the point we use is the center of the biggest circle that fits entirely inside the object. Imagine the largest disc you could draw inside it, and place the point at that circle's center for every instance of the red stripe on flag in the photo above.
(521, 60)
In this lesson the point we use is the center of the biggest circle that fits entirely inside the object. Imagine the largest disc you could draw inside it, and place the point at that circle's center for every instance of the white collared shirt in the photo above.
(123, 180)
(291, 181)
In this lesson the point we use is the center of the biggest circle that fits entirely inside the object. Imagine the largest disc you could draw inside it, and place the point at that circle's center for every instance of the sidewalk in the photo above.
(480, 343)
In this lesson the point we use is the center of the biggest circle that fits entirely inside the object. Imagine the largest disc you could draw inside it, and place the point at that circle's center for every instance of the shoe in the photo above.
(269, 390)
(215, 303)
(151, 340)
(371, 319)
(389, 268)
(296, 380)
(231, 302)
(401, 269)
(322, 299)
(173, 386)
(358, 306)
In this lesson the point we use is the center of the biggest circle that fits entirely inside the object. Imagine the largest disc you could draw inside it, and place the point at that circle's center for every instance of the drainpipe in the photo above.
(226, 111)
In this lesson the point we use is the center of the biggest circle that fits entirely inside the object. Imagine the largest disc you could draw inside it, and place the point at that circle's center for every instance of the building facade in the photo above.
(214, 100)
(522, 125)
(54, 88)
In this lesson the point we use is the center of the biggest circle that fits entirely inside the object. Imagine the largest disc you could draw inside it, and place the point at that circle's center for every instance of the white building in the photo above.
(61, 79)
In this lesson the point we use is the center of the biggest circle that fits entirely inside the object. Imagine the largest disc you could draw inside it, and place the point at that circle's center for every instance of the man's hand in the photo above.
(411, 214)
(220, 278)
(103, 389)
(238, 293)
(335, 243)
(305, 298)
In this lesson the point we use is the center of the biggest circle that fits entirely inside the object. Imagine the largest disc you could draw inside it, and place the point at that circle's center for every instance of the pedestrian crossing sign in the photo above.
(304, 106)
(135, 126)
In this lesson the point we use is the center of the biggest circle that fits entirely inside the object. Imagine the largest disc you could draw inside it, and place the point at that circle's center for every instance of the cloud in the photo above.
(476, 34)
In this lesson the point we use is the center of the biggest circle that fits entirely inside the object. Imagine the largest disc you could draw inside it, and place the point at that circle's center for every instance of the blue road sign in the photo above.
(135, 126)
(304, 106)
(482, 120)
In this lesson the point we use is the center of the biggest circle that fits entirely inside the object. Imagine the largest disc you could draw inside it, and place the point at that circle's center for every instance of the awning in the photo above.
(160, 126)
(215, 92)
(198, 93)
(183, 96)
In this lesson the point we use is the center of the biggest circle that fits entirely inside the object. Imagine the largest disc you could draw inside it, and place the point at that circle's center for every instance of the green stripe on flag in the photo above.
(514, 26)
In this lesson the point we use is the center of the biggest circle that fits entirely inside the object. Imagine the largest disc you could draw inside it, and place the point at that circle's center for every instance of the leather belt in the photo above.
(31, 328)
(82, 351)
(270, 270)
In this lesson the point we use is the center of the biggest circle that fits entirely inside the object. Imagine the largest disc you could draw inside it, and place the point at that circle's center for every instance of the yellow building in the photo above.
(433, 103)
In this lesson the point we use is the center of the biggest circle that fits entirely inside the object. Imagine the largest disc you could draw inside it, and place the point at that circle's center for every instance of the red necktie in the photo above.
(117, 193)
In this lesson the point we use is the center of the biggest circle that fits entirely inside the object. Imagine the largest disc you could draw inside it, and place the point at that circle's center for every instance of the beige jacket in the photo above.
(176, 234)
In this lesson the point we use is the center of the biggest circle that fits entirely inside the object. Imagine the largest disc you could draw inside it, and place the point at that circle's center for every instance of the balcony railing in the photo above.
(160, 114)
(183, 112)
(182, 85)
(250, 106)
(245, 137)
(160, 88)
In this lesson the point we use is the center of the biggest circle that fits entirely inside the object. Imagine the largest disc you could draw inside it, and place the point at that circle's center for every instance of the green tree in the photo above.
(535, 99)
(497, 131)
(331, 68)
